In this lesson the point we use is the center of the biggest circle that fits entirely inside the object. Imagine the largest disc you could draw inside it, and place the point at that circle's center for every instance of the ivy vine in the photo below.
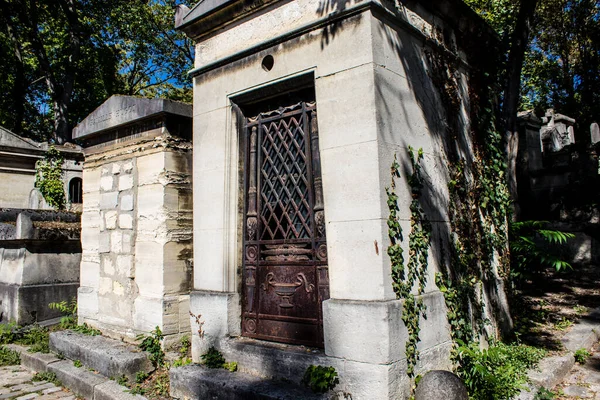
(405, 277)
(479, 207)
(48, 178)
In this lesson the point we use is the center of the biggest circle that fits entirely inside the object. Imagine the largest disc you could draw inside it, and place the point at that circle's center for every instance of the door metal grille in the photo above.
(285, 252)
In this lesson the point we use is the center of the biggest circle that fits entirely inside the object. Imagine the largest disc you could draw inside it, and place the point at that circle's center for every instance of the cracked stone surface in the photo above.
(16, 383)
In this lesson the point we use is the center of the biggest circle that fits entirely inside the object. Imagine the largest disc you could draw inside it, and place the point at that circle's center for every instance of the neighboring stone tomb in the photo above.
(290, 222)
(137, 217)
(40, 253)
(18, 156)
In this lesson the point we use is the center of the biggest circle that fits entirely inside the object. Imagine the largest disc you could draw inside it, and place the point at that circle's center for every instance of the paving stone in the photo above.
(51, 390)
(46, 385)
(28, 396)
(23, 387)
(11, 395)
(578, 391)
(10, 378)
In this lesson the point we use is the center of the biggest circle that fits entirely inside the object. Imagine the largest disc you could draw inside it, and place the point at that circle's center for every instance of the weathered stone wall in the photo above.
(40, 253)
(16, 188)
(137, 237)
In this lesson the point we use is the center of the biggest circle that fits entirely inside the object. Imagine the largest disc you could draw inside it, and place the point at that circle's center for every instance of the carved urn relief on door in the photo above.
(285, 251)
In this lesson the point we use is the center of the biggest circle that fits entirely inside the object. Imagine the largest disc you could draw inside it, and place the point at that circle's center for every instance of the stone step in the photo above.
(196, 382)
(109, 357)
(273, 360)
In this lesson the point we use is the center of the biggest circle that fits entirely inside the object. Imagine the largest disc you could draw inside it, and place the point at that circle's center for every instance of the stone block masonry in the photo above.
(137, 229)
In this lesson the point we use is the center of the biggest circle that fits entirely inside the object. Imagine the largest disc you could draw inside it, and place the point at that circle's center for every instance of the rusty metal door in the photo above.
(285, 253)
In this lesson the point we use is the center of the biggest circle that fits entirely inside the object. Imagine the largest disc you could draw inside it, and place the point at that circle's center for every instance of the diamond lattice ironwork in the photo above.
(284, 193)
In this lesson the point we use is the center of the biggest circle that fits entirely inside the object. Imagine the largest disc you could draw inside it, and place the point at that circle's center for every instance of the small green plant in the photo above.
(184, 346)
(580, 310)
(123, 380)
(544, 394)
(180, 362)
(86, 330)
(152, 344)
(320, 379)
(563, 324)
(37, 337)
(48, 178)
(161, 385)
(7, 333)
(46, 377)
(137, 389)
(231, 366)
(77, 364)
(498, 372)
(69, 311)
(9, 357)
(581, 355)
(213, 358)
(141, 376)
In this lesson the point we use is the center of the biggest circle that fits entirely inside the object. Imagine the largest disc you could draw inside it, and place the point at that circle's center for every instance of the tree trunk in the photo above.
(520, 41)
(19, 86)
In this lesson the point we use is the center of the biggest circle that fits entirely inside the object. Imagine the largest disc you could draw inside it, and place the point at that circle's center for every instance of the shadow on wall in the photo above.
(442, 111)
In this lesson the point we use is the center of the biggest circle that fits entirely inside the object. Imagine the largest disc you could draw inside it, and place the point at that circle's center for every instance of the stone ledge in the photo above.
(196, 382)
(111, 390)
(34, 361)
(109, 357)
(273, 360)
(79, 380)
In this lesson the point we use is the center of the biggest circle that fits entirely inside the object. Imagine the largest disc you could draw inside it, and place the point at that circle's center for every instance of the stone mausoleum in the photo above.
(300, 108)
(18, 156)
(136, 231)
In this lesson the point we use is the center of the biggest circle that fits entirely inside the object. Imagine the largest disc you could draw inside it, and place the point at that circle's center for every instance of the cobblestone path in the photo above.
(16, 383)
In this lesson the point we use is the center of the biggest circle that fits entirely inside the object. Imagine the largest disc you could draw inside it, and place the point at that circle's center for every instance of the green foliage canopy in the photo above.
(562, 63)
(62, 58)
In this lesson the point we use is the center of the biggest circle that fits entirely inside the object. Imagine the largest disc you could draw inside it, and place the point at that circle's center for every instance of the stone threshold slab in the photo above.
(196, 382)
(553, 370)
(81, 381)
(109, 357)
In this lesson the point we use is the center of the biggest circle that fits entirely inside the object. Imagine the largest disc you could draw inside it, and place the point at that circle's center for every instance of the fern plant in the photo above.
(533, 246)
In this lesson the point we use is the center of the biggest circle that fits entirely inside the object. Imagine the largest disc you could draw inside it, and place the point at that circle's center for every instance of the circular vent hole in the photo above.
(268, 62)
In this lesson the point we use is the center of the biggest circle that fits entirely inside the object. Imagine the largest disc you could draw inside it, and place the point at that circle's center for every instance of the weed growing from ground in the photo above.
(141, 376)
(581, 356)
(9, 357)
(152, 344)
(563, 324)
(320, 379)
(498, 372)
(544, 394)
(213, 358)
(37, 337)
(47, 377)
(122, 380)
(77, 364)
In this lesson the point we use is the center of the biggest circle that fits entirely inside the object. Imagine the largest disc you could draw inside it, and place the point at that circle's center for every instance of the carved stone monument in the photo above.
(557, 131)
(136, 221)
